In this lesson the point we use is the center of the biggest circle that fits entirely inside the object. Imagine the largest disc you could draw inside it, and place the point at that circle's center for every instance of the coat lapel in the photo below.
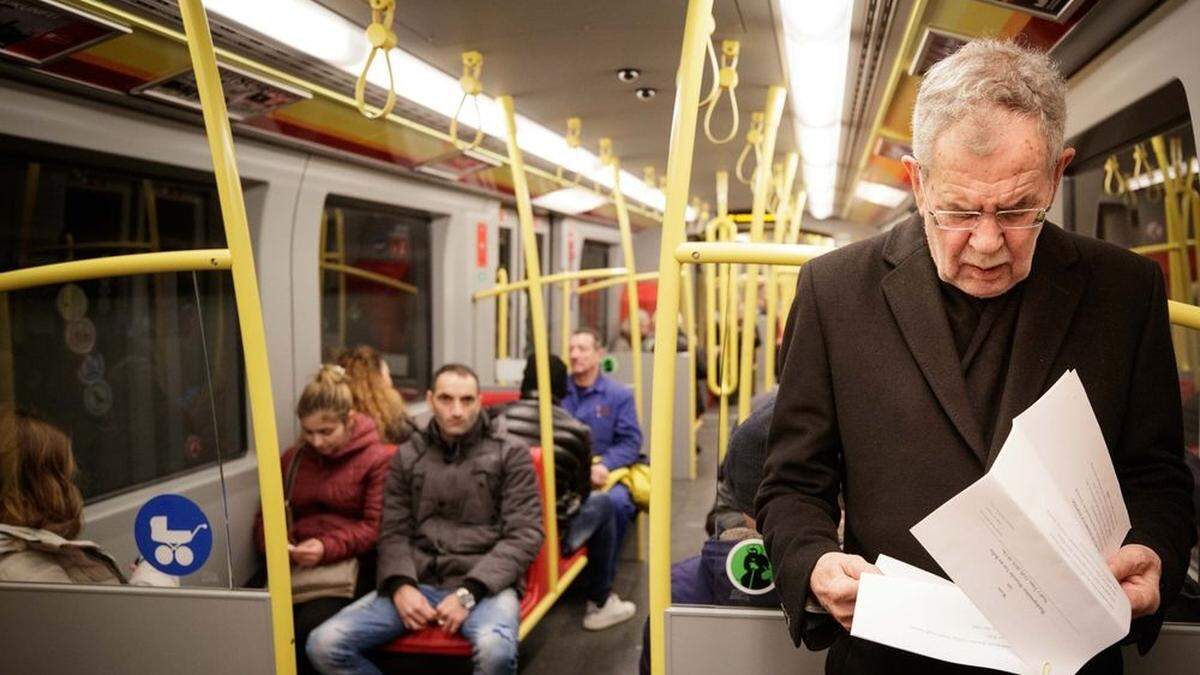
(911, 290)
(1051, 295)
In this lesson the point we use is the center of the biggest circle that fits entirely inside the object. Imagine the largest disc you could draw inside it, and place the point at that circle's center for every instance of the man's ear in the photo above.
(913, 169)
(429, 397)
(1064, 160)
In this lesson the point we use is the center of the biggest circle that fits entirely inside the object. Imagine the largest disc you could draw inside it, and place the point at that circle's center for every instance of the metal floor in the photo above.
(559, 641)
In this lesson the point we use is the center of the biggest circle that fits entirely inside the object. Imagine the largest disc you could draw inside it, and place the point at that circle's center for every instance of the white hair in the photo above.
(982, 78)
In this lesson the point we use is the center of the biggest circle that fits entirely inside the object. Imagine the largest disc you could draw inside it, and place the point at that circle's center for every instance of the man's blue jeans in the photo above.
(596, 525)
(336, 647)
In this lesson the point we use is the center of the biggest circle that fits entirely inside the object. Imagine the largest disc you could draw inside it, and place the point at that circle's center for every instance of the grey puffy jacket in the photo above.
(463, 510)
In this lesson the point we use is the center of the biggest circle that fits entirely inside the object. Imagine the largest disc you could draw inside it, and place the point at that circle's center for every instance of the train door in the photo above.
(594, 308)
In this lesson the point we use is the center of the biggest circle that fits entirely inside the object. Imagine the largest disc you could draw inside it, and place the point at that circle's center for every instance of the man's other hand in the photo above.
(599, 475)
(451, 613)
(834, 583)
(1138, 569)
(415, 611)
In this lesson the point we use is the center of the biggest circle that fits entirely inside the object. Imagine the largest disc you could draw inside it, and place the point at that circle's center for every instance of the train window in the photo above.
(1116, 190)
(375, 287)
(122, 365)
(593, 307)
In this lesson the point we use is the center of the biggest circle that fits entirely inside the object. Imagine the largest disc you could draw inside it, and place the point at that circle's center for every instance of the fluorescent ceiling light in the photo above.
(312, 29)
(816, 39)
(571, 201)
(878, 193)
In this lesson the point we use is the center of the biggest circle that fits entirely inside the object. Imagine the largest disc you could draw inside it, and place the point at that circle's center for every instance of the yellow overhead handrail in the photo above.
(699, 253)
(472, 69)
(1183, 314)
(382, 39)
(631, 290)
(754, 140)
(616, 281)
(727, 80)
(600, 273)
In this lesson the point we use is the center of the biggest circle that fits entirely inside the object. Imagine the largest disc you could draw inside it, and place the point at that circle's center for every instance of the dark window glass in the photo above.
(120, 363)
(593, 307)
(375, 287)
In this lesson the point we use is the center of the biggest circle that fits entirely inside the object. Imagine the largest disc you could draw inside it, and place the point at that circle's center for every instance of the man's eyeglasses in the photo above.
(1009, 219)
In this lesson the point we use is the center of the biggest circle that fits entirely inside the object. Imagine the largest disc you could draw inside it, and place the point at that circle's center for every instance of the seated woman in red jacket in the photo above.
(336, 494)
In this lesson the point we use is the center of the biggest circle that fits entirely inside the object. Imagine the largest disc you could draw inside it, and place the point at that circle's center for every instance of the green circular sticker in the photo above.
(608, 364)
(749, 569)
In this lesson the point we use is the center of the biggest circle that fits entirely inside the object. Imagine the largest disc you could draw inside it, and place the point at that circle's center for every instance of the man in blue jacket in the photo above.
(608, 408)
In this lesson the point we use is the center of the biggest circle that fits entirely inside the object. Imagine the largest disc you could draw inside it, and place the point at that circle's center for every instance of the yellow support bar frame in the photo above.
(772, 298)
(776, 96)
(698, 26)
(617, 281)
(502, 316)
(541, 346)
(380, 279)
(254, 340)
(200, 260)
(631, 294)
(601, 273)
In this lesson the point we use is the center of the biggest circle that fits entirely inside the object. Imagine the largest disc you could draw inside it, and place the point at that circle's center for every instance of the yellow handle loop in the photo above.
(1141, 166)
(649, 176)
(472, 68)
(726, 80)
(754, 139)
(1114, 182)
(574, 139)
(606, 151)
(382, 40)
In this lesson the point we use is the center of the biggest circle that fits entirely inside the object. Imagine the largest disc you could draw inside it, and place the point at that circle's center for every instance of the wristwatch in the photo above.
(464, 596)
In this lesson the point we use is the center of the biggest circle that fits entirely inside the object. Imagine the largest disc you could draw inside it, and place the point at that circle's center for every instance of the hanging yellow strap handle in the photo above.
(649, 176)
(1141, 166)
(574, 139)
(754, 139)
(727, 80)
(382, 40)
(1114, 182)
(472, 68)
(710, 27)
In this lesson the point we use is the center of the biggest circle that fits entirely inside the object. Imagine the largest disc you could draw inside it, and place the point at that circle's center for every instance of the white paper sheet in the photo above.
(1027, 542)
(933, 618)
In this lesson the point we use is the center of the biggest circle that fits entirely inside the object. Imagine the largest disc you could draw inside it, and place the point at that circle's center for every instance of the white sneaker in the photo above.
(612, 612)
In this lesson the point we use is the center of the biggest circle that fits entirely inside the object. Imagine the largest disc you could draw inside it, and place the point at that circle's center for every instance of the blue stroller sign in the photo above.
(173, 534)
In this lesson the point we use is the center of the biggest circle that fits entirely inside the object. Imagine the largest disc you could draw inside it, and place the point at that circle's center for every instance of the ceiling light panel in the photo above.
(883, 195)
(327, 36)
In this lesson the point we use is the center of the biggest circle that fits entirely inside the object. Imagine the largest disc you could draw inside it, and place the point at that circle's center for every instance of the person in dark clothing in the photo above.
(584, 515)
(462, 521)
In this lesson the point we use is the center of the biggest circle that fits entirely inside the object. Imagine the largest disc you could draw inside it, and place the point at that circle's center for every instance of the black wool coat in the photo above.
(873, 405)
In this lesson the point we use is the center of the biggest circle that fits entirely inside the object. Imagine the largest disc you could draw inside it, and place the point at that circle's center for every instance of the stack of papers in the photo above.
(1026, 546)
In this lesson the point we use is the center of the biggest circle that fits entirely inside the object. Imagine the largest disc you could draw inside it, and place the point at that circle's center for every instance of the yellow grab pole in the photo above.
(564, 342)
(339, 220)
(254, 340)
(697, 28)
(501, 316)
(762, 184)
(711, 235)
(541, 346)
(772, 300)
(199, 260)
(729, 354)
(738, 253)
(793, 236)
(600, 273)
(689, 321)
(1179, 275)
(609, 283)
(631, 289)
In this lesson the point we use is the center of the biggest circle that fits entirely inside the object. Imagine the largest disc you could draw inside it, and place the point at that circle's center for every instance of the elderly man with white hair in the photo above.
(907, 356)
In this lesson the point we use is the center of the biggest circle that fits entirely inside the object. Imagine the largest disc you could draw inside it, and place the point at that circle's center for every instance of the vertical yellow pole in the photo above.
(8, 390)
(772, 300)
(1178, 266)
(631, 291)
(762, 184)
(339, 220)
(564, 337)
(697, 28)
(502, 316)
(729, 347)
(689, 318)
(793, 236)
(712, 234)
(541, 347)
(254, 340)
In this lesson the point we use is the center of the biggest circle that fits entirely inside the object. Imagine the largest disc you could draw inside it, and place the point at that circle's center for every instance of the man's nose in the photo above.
(988, 236)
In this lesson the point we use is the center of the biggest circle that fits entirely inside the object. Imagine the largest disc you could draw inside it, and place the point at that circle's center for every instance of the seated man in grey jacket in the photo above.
(462, 520)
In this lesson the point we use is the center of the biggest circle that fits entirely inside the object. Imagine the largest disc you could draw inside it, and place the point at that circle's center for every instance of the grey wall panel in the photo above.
(50, 629)
(718, 640)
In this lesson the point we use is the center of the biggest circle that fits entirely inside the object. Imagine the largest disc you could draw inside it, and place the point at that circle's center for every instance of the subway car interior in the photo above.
(213, 212)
